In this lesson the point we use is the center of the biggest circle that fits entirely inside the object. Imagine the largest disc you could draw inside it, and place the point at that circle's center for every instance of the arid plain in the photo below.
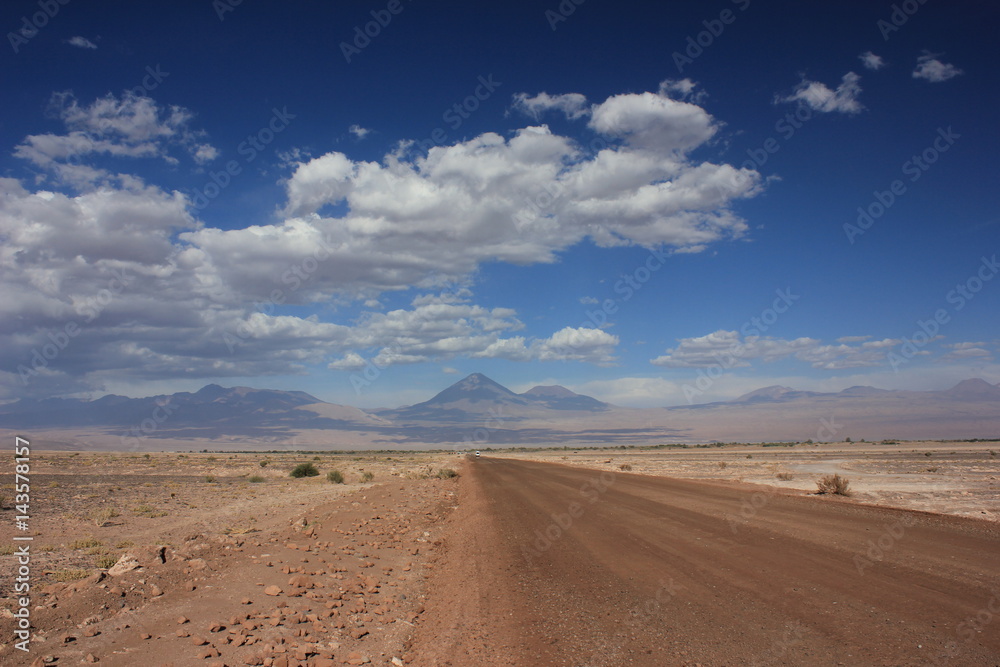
(224, 559)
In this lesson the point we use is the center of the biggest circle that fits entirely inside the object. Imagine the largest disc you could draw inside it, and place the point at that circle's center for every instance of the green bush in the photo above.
(335, 477)
(304, 470)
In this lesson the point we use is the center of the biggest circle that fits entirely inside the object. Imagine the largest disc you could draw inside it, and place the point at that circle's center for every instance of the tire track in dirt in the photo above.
(552, 565)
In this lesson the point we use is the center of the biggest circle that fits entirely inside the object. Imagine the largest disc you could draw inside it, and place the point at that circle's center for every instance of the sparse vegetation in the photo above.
(304, 470)
(210, 478)
(625, 466)
(833, 484)
(785, 476)
(125, 544)
(255, 479)
(106, 561)
(6, 549)
(70, 575)
(931, 469)
(446, 473)
(148, 511)
(722, 465)
(367, 476)
(85, 543)
(103, 516)
(316, 458)
(263, 463)
(335, 477)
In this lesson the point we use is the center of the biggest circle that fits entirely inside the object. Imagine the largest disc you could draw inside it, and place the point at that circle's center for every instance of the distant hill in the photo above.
(556, 397)
(479, 410)
(212, 407)
(477, 397)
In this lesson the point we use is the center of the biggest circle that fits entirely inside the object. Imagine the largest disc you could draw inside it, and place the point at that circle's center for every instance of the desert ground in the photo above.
(717, 555)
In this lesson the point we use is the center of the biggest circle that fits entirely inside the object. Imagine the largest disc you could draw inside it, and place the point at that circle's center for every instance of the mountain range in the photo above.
(543, 414)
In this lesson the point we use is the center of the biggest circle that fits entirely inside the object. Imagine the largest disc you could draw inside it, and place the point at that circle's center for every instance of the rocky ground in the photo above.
(280, 572)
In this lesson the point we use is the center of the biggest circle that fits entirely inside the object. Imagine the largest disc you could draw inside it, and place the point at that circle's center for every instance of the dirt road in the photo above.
(552, 565)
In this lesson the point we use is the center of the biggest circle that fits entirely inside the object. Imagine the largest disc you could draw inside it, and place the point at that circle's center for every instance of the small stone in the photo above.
(92, 658)
(272, 590)
(126, 563)
(198, 640)
(155, 591)
(181, 620)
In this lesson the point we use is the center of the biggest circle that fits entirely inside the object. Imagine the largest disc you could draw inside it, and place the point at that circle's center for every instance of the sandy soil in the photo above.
(698, 555)
(207, 544)
(588, 568)
(961, 478)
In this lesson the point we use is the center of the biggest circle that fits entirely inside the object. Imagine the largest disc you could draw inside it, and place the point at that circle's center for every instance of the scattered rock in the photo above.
(126, 563)
(272, 590)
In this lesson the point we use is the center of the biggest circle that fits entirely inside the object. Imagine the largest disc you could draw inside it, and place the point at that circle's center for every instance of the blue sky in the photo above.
(651, 205)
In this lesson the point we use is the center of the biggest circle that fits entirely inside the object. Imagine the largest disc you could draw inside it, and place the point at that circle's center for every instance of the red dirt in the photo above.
(551, 565)
(335, 583)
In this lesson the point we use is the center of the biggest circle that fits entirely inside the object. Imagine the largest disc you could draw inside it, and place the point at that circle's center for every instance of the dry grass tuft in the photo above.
(834, 484)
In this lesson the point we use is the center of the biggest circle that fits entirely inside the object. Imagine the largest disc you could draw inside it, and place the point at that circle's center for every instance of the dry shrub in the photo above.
(625, 466)
(784, 476)
(834, 484)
